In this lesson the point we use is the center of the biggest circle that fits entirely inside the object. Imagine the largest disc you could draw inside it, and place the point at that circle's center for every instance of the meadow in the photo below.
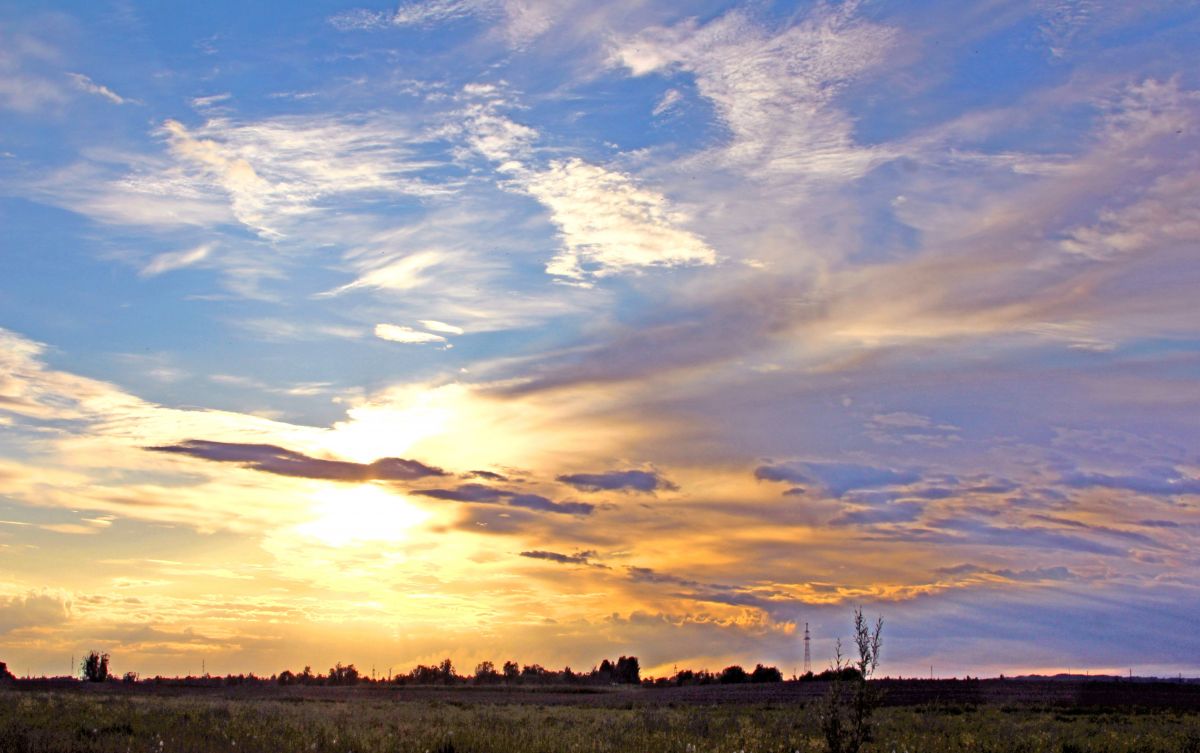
(110, 719)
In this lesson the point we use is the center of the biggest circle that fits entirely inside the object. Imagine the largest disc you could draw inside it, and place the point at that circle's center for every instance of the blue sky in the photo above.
(313, 316)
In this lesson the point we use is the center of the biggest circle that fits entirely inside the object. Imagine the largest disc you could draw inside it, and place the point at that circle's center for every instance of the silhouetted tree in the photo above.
(627, 670)
(446, 670)
(766, 674)
(512, 670)
(733, 675)
(95, 667)
(485, 672)
(339, 675)
(287, 677)
(604, 673)
(427, 675)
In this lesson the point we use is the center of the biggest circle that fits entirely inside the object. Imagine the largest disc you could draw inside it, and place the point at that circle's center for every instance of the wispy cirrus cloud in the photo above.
(173, 260)
(26, 84)
(522, 20)
(775, 92)
(86, 84)
(275, 171)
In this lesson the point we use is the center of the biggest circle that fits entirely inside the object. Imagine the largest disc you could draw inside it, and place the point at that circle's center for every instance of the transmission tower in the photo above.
(807, 652)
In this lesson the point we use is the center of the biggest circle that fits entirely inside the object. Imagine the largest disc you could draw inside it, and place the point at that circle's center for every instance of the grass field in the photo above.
(634, 720)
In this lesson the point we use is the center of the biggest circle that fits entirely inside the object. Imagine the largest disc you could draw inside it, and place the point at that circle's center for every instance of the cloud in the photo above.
(522, 21)
(468, 493)
(836, 478)
(278, 170)
(32, 609)
(775, 92)
(492, 134)
(489, 475)
(631, 480)
(980, 533)
(609, 224)
(23, 87)
(174, 260)
(579, 558)
(667, 102)
(901, 427)
(408, 335)
(482, 494)
(405, 273)
(83, 83)
(435, 326)
(896, 512)
(283, 462)
(543, 504)
(1163, 481)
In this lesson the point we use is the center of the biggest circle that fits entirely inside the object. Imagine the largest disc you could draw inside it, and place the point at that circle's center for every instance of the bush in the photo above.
(95, 667)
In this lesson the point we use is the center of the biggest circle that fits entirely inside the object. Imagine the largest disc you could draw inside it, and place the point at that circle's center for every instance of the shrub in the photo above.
(95, 667)
(851, 701)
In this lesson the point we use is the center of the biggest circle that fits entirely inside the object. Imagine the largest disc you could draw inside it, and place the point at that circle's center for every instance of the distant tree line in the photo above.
(626, 670)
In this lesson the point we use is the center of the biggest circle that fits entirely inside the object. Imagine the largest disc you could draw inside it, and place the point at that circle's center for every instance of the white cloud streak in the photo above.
(83, 83)
(174, 260)
(407, 335)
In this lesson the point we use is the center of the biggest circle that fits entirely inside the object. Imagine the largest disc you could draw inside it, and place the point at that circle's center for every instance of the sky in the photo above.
(551, 331)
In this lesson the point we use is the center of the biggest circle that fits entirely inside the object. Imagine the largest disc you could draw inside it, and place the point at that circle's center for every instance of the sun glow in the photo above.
(343, 516)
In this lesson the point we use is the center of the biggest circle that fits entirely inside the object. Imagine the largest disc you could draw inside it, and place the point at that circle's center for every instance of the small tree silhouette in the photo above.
(95, 667)
(846, 711)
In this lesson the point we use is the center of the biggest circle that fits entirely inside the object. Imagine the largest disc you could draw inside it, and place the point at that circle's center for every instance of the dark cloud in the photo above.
(270, 458)
(487, 475)
(897, 512)
(1158, 523)
(1141, 538)
(537, 502)
(579, 558)
(468, 493)
(836, 478)
(1156, 481)
(631, 480)
(985, 534)
(648, 575)
(481, 494)
(1058, 573)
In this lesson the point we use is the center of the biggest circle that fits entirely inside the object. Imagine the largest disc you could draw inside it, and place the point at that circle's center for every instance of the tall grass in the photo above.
(64, 723)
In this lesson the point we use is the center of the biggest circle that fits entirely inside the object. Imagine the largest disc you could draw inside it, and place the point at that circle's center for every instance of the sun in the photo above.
(368, 512)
